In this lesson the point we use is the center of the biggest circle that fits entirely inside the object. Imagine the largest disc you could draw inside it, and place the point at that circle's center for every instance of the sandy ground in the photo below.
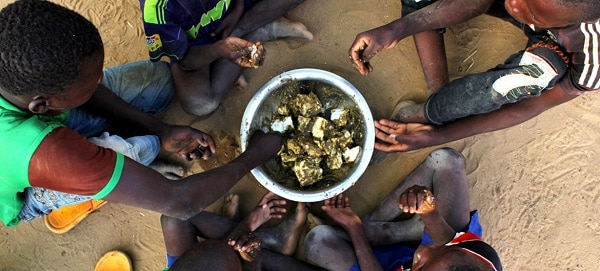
(534, 184)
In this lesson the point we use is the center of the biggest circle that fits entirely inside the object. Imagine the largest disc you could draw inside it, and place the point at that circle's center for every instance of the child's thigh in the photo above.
(146, 85)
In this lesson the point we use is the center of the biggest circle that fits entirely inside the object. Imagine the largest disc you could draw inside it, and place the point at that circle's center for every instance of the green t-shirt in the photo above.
(21, 133)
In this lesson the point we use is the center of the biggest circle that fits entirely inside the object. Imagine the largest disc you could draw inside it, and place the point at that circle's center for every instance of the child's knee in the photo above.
(446, 157)
(317, 237)
(200, 107)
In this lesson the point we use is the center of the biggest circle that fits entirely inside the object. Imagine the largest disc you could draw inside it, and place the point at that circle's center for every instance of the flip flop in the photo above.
(65, 218)
(114, 261)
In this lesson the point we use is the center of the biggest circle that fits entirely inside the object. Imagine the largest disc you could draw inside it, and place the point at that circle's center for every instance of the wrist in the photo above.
(353, 226)
(431, 217)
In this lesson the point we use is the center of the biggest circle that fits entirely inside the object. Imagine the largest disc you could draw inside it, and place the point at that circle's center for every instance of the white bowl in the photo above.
(264, 104)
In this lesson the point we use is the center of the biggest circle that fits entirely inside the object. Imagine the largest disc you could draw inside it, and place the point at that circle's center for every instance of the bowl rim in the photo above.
(346, 87)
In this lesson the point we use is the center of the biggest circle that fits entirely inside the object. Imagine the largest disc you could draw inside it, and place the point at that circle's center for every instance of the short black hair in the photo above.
(590, 9)
(42, 45)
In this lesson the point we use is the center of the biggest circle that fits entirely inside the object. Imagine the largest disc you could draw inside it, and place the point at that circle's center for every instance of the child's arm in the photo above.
(441, 14)
(145, 188)
(242, 239)
(419, 200)
(231, 48)
(183, 140)
(338, 208)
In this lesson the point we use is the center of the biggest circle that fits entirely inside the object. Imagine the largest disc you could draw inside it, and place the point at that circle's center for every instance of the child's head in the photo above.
(476, 256)
(553, 13)
(42, 48)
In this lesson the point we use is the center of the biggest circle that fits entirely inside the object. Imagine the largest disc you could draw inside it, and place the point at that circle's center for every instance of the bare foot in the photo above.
(313, 221)
(171, 171)
(241, 83)
(409, 111)
(284, 28)
(284, 237)
(231, 208)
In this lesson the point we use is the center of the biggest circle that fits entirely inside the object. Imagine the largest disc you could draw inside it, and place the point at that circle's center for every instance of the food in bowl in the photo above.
(262, 111)
(322, 134)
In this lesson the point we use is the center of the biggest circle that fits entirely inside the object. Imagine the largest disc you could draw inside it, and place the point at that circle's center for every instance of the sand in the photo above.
(534, 184)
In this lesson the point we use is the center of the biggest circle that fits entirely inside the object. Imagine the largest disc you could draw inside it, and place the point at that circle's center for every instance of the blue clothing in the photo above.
(173, 26)
(395, 257)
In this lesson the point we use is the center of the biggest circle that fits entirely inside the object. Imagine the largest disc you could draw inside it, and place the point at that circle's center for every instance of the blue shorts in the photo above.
(145, 85)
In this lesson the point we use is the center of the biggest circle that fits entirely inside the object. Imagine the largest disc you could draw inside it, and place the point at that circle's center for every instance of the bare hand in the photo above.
(399, 137)
(187, 142)
(417, 200)
(338, 208)
(267, 208)
(237, 51)
(367, 44)
(264, 145)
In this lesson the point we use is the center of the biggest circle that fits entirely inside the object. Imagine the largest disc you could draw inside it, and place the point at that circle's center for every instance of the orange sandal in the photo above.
(114, 261)
(66, 217)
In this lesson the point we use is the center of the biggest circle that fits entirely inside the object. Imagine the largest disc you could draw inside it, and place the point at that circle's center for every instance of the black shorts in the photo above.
(410, 6)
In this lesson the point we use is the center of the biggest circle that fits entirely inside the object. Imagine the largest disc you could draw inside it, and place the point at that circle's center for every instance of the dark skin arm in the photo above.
(338, 208)
(242, 239)
(145, 188)
(420, 200)
(441, 14)
(395, 138)
(183, 140)
(231, 48)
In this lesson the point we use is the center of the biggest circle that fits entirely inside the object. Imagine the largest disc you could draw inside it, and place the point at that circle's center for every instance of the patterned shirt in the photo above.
(173, 26)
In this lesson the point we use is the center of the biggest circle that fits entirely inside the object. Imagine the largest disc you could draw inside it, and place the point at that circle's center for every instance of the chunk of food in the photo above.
(350, 155)
(339, 117)
(303, 124)
(306, 105)
(335, 161)
(282, 124)
(319, 127)
(283, 110)
(308, 171)
(256, 55)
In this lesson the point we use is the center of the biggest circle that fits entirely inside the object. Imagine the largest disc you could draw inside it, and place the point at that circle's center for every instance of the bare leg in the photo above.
(201, 91)
(262, 13)
(196, 92)
(443, 172)
(182, 235)
(217, 255)
(231, 208)
(284, 237)
(283, 28)
(409, 112)
(432, 54)
(208, 255)
(329, 247)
